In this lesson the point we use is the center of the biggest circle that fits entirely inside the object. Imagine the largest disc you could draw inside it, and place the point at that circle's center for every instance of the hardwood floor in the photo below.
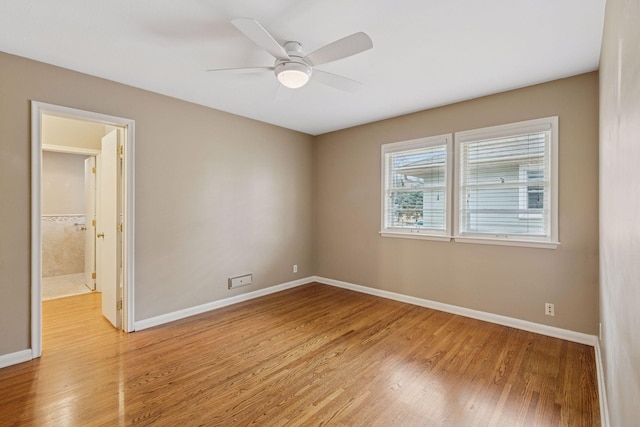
(313, 355)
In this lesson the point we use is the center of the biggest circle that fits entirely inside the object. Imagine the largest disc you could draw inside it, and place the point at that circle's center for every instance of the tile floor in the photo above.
(63, 286)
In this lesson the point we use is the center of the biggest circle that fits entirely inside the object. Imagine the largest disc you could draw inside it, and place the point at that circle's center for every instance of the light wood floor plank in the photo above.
(313, 355)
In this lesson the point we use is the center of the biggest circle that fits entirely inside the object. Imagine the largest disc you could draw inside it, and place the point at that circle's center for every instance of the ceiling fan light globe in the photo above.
(293, 79)
(293, 75)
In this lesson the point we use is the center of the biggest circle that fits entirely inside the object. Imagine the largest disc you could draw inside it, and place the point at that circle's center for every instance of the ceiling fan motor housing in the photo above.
(294, 72)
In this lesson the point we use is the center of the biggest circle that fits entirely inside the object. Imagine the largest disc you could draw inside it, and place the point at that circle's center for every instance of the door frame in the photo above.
(37, 110)
(90, 216)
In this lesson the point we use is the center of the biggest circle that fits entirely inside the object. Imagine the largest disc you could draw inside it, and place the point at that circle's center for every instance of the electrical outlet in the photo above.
(549, 309)
(295, 268)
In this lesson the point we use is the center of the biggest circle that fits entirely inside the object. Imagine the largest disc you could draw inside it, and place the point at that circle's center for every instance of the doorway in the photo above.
(68, 208)
(111, 229)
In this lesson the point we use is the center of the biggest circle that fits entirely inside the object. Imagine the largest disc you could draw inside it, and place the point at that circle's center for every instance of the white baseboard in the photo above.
(467, 312)
(191, 311)
(15, 358)
(602, 389)
(525, 325)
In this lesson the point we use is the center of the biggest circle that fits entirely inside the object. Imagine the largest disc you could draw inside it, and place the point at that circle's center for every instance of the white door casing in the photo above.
(127, 126)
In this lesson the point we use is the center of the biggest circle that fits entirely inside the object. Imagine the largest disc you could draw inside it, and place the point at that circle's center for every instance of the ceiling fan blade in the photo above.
(283, 93)
(347, 46)
(243, 70)
(335, 81)
(261, 37)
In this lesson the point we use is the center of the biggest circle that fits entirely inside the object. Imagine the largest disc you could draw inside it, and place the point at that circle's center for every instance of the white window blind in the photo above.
(416, 183)
(507, 182)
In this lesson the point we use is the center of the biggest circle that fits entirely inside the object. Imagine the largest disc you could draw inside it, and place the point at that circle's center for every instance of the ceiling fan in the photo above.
(292, 67)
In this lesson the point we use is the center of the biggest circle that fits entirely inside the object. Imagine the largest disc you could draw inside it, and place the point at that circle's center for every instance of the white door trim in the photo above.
(37, 110)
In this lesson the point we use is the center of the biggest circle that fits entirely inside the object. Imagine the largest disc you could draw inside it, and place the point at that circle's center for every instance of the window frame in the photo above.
(418, 233)
(507, 130)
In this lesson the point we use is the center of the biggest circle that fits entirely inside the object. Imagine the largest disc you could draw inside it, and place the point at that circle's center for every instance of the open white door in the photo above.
(108, 253)
(90, 217)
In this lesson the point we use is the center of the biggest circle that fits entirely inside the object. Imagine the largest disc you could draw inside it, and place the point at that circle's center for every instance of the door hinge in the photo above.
(93, 222)
(93, 275)
(122, 150)
(93, 169)
(119, 305)
(120, 228)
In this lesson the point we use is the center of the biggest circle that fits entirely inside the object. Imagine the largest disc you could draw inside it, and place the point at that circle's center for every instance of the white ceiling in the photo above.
(426, 53)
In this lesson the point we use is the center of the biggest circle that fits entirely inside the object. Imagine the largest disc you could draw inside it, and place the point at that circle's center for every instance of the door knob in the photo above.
(100, 235)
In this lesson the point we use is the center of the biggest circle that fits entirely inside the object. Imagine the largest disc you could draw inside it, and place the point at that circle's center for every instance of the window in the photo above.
(416, 184)
(507, 184)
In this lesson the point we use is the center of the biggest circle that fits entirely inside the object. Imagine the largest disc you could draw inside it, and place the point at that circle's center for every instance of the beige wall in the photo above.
(62, 183)
(72, 133)
(510, 281)
(216, 194)
(620, 209)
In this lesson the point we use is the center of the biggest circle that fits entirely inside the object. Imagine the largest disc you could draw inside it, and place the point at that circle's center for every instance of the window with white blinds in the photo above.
(416, 188)
(506, 179)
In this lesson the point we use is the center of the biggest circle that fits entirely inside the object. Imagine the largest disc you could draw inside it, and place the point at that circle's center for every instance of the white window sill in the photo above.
(419, 236)
(507, 242)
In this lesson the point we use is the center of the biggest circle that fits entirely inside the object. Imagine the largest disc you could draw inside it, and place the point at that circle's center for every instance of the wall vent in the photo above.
(235, 282)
